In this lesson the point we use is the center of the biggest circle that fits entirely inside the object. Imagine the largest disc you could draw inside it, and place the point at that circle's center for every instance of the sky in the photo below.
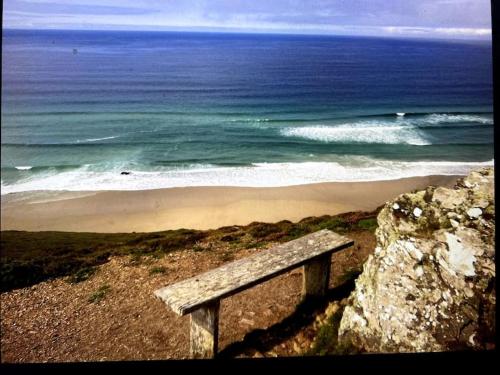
(448, 19)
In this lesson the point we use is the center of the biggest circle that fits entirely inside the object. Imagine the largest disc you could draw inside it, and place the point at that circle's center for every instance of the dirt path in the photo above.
(54, 321)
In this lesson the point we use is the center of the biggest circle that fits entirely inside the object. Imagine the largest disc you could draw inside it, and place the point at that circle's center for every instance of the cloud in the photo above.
(430, 18)
(437, 31)
(54, 8)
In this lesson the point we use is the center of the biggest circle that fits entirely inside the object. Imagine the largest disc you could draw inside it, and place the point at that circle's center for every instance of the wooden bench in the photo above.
(200, 295)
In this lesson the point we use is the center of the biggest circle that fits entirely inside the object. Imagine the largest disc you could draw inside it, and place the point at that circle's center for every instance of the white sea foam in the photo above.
(24, 168)
(436, 118)
(257, 175)
(401, 130)
(250, 120)
(367, 132)
(97, 139)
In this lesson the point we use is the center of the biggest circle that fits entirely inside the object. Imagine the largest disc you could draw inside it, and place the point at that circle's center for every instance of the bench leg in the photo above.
(205, 331)
(316, 276)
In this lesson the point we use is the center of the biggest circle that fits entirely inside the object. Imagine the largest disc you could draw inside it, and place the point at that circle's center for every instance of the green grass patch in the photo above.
(197, 248)
(99, 294)
(157, 270)
(255, 245)
(336, 224)
(368, 224)
(326, 341)
(81, 275)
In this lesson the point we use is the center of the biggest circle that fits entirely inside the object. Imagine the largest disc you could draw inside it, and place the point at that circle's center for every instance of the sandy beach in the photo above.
(197, 207)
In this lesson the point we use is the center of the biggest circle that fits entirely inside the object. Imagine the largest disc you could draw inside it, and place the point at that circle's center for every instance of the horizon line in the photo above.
(254, 32)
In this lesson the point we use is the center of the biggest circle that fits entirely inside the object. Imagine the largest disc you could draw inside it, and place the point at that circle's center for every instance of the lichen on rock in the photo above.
(430, 284)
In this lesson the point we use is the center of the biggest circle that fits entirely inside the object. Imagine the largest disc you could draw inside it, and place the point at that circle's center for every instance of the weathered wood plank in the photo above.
(316, 275)
(204, 333)
(187, 295)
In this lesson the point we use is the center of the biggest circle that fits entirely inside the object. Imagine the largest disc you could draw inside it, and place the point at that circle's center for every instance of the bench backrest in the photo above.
(188, 295)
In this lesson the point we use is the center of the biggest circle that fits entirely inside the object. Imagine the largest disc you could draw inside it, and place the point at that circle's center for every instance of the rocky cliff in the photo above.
(430, 284)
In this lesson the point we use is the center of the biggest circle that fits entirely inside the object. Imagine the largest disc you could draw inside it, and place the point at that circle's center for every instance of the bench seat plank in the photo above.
(188, 295)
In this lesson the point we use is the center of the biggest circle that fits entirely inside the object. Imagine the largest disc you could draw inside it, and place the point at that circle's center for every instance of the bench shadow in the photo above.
(265, 339)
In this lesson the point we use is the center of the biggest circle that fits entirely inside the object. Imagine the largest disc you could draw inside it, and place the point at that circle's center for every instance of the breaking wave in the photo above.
(256, 175)
(409, 129)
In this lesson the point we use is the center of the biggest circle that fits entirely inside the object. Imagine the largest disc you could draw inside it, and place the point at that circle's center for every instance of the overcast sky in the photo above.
(460, 19)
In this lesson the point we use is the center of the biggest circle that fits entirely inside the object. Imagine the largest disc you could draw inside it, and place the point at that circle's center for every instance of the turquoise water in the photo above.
(191, 109)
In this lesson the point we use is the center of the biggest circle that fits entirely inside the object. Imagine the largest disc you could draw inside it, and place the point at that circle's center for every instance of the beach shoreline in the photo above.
(197, 207)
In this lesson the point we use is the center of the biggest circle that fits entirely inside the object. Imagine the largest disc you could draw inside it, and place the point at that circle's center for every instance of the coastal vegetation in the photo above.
(28, 258)
(99, 294)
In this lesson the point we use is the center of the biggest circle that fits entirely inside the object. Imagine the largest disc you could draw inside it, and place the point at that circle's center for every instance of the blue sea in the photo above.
(212, 109)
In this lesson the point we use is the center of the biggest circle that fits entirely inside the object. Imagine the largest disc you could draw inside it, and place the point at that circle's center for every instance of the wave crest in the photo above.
(440, 118)
(367, 133)
(97, 139)
(409, 129)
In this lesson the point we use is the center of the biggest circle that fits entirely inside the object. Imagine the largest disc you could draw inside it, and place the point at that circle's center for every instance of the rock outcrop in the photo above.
(430, 284)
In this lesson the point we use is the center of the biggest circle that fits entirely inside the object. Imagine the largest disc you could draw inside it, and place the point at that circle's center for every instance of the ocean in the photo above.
(211, 109)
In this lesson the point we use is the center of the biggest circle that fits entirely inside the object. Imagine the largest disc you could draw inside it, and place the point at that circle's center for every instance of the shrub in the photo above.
(232, 237)
(262, 230)
(297, 230)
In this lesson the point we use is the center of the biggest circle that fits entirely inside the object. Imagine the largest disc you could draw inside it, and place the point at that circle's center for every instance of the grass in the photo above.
(99, 294)
(157, 270)
(28, 258)
(255, 245)
(81, 275)
(368, 224)
(197, 248)
(326, 341)
(337, 224)
(135, 259)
